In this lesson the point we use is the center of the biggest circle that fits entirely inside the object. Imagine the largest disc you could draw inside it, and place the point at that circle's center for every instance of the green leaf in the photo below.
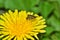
(52, 0)
(49, 30)
(36, 9)
(57, 10)
(45, 38)
(54, 23)
(45, 8)
(21, 4)
(2, 3)
(56, 36)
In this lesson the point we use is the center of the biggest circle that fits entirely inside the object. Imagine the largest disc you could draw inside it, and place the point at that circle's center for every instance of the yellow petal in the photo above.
(42, 31)
(25, 38)
(19, 38)
(22, 16)
(10, 37)
(29, 37)
(5, 38)
(40, 27)
(2, 36)
(36, 37)
(14, 38)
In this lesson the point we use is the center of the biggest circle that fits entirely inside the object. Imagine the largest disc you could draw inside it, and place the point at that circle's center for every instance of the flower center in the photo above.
(21, 28)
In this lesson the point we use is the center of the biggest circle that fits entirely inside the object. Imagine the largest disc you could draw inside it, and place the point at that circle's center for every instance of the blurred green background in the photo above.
(49, 9)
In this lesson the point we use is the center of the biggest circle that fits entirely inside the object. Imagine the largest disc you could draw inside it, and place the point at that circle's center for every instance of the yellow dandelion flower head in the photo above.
(21, 25)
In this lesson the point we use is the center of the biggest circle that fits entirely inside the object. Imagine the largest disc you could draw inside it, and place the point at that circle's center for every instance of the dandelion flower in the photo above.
(21, 25)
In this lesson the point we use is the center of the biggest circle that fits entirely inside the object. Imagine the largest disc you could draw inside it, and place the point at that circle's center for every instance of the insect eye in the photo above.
(30, 17)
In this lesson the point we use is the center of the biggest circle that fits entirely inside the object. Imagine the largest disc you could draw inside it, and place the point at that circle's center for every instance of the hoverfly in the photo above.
(30, 17)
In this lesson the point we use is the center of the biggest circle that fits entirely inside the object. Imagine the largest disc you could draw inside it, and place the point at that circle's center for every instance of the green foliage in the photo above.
(45, 8)
(49, 9)
(57, 10)
(21, 4)
(55, 36)
(49, 30)
(46, 38)
(1, 3)
(54, 22)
